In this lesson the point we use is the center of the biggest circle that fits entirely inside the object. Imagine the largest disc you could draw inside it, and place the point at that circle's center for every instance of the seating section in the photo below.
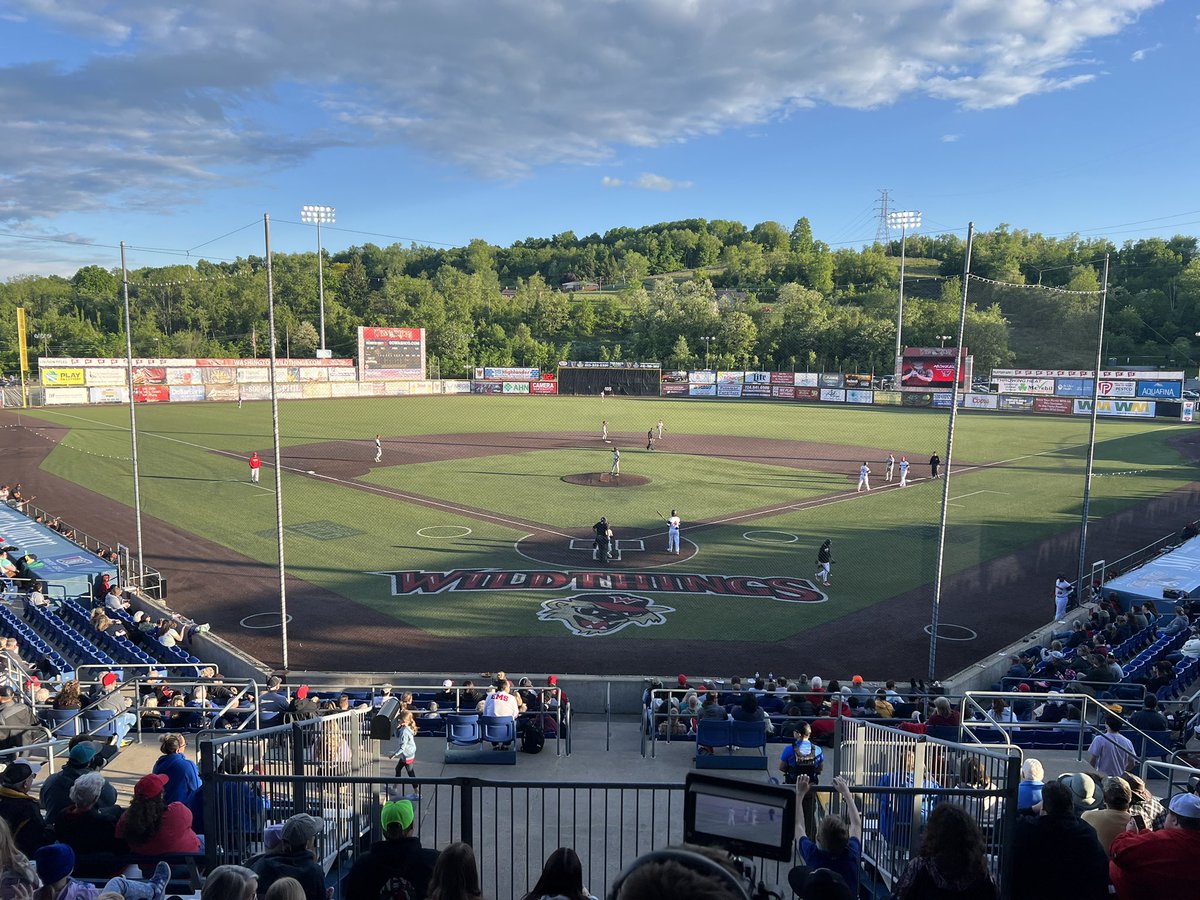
(151, 644)
(12, 626)
(70, 641)
(718, 742)
(120, 648)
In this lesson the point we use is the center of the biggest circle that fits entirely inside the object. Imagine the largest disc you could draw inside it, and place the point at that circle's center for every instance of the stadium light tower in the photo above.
(707, 342)
(904, 221)
(943, 338)
(319, 215)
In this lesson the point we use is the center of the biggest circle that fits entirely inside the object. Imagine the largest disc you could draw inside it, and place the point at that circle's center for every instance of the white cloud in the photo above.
(950, 138)
(647, 181)
(177, 97)
(1139, 55)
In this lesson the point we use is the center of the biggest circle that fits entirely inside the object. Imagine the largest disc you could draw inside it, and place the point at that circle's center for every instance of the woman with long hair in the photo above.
(951, 863)
(16, 871)
(455, 876)
(67, 696)
(230, 883)
(406, 753)
(562, 876)
(151, 826)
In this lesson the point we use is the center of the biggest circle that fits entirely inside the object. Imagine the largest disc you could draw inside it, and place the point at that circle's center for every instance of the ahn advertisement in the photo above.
(1135, 409)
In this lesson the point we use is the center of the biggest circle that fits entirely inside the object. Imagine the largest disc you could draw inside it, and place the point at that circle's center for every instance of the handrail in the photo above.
(232, 704)
(50, 745)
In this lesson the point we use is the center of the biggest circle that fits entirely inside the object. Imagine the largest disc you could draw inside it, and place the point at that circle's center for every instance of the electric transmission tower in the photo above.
(883, 234)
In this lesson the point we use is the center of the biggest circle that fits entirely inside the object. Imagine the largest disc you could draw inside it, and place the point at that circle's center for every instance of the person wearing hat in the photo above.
(1143, 805)
(294, 857)
(447, 697)
(1080, 866)
(20, 809)
(56, 790)
(110, 699)
(56, 862)
(1083, 790)
(396, 859)
(1160, 864)
(151, 826)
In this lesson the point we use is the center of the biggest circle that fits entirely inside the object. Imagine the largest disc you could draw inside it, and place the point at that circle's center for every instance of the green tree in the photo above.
(681, 354)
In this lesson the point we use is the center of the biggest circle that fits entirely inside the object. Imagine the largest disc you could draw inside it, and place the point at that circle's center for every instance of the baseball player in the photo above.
(650, 439)
(673, 533)
(659, 426)
(934, 462)
(904, 471)
(604, 431)
(255, 467)
(890, 466)
(864, 476)
(824, 562)
(615, 471)
(378, 448)
(1062, 593)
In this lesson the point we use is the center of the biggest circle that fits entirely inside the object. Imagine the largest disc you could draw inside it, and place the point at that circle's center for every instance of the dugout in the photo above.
(1172, 575)
(623, 379)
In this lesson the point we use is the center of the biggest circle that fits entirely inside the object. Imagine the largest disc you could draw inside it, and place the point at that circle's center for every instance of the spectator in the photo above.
(397, 859)
(1029, 791)
(110, 699)
(56, 790)
(151, 826)
(16, 871)
(838, 846)
(1177, 625)
(1149, 718)
(470, 695)
(972, 775)
(115, 599)
(951, 862)
(295, 857)
(883, 707)
(562, 877)
(803, 758)
(1111, 753)
(1000, 714)
(16, 720)
(1160, 864)
(20, 809)
(858, 689)
(1080, 869)
(242, 802)
(274, 702)
(88, 826)
(1083, 790)
(943, 713)
(455, 876)
(183, 777)
(1112, 819)
(750, 711)
(37, 595)
(286, 888)
(230, 883)
(1144, 805)
(56, 862)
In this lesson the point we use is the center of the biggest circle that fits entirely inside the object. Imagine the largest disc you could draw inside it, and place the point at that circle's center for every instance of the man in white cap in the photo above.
(1159, 864)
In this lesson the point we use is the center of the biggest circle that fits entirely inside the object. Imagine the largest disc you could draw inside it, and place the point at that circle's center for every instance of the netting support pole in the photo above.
(946, 463)
(283, 616)
(1080, 587)
(137, 491)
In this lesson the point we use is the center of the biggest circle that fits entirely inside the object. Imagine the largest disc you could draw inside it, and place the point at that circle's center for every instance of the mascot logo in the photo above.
(596, 615)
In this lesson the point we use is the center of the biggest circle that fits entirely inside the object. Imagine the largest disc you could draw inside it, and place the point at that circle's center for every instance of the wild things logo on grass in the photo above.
(596, 615)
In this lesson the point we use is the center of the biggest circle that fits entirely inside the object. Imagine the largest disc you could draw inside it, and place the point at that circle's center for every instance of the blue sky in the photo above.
(169, 124)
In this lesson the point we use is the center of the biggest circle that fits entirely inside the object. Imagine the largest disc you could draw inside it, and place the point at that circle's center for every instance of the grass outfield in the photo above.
(1022, 482)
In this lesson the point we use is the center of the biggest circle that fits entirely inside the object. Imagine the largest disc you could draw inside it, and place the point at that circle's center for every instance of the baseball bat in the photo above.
(660, 515)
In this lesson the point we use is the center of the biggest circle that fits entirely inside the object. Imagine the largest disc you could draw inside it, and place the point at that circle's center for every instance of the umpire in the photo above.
(600, 544)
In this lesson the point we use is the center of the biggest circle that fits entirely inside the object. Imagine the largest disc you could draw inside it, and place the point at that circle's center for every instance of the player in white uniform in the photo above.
(890, 467)
(1062, 593)
(864, 476)
(660, 429)
(904, 471)
(604, 431)
(378, 448)
(616, 463)
(673, 533)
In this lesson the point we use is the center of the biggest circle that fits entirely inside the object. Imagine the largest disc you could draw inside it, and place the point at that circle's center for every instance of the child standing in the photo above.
(406, 754)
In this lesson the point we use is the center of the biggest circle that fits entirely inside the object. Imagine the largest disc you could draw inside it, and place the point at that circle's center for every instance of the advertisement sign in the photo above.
(605, 364)
(313, 373)
(391, 353)
(223, 375)
(830, 380)
(1109, 374)
(487, 387)
(62, 377)
(1118, 388)
(310, 390)
(1188, 411)
(783, 391)
(942, 400)
(149, 375)
(1073, 387)
(858, 396)
(833, 395)
(702, 377)
(808, 393)
(1025, 385)
(258, 391)
(859, 381)
(339, 389)
(63, 395)
(1016, 403)
(516, 387)
(806, 379)
(757, 378)
(673, 390)
(978, 401)
(783, 378)
(105, 377)
(702, 390)
(191, 375)
(725, 389)
(544, 387)
(676, 377)
(917, 399)
(1160, 390)
(730, 377)
(1059, 405)
(151, 393)
(920, 373)
(224, 392)
(184, 393)
(507, 373)
(108, 395)
(1134, 409)
(348, 374)
(756, 390)
(253, 376)
(889, 398)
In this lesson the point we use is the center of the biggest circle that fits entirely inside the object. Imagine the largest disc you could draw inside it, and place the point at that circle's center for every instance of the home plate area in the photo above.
(633, 549)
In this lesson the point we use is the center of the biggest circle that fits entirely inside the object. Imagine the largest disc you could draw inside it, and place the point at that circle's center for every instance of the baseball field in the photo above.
(468, 547)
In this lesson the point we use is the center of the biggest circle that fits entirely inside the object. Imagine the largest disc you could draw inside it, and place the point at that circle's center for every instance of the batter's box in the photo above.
(628, 545)
(322, 530)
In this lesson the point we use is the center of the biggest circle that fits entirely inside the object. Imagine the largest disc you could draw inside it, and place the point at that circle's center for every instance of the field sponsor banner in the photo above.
(340, 388)
(833, 395)
(783, 378)
(190, 375)
(119, 362)
(702, 390)
(889, 398)
(808, 393)
(371, 388)
(105, 377)
(223, 392)
(1188, 411)
(456, 387)
(674, 377)
(1130, 409)
(756, 390)
(1007, 401)
(807, 379)
(108, 395)
(673, 390)
(859, 381)
(1160, 390)
(286, 391)
(313, 373)
(149, 375)
(61, 395)
(253, 376)
(507, 373)
(487, 387)
(1073, 387)
(544, 387)
(783, 391)
(1025, 385)
(62, 377)
(978, 401)
(315, 390)
(151, 393)
(942, 400)
(918, 399)
(1058, 405)
(702, 377)
(1109, 374)
(830, 380)
(757, 378)
(604, 364)
(257, 391)
(1118, 388)
(223, 375)
(725, 389)
(185, 393)
(858, 396)
(730, 377)
(516, 387)
(343, 374)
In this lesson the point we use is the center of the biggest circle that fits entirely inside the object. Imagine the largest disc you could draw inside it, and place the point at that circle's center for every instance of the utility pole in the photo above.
(883, 232)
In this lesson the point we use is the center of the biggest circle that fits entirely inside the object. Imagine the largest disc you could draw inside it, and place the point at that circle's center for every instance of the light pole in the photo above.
(45, 337)
(904, 221)
(707, 342)
(319, 215)
(943, 338)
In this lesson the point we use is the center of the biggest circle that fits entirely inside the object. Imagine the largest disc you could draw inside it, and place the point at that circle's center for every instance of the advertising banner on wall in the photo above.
(1016, 403)
(221, 375)
(730, 377)
(859, 381)
(313, 373)
(942, 400)
(316, 390)
(830, 380)
(1060, 405)
(725, 389)
(185, 393)
(507, 373)
(702, 377)
(807, 379)
(149, 375)
(337, 389)
(978, 401)
(860, 396)
(756, 390)
(889, 398)
(1188, 411)
(62, 377)
(346, 374)
(105, 377)
(257, 391)
(151, 393)
(674, 377)
(63, 395)
(833, 395)
(702, 390)
(189, 375)
(783, 391)
(223, 392)
(253, 376)
(1105, 374)
(1136, 409)
(757, 378)
(544, 387)
(783, 378)
(516, 387)
(108, 395)
(673, 390)
(808, 393)
(1025, 385)
(1160, 390)
(917, 398)
(1073, 387)
(1118, 388)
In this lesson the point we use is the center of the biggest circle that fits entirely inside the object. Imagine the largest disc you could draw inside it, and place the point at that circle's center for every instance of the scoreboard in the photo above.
(391, 354)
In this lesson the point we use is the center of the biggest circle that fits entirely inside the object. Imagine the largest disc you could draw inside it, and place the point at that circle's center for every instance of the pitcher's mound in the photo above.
(603, 479)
